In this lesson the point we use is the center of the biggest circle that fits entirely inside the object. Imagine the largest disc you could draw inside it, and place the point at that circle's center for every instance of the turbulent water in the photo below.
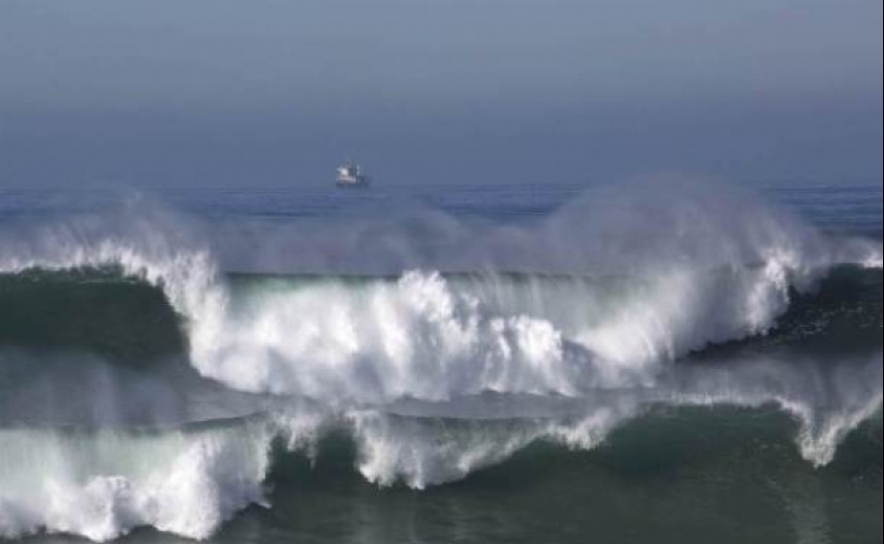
(662, 362)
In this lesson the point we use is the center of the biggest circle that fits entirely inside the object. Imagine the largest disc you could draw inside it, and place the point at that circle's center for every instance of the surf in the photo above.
(134, 346)
(487, 331)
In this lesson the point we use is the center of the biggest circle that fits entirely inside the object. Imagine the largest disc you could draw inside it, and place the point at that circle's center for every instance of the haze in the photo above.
(221, 93)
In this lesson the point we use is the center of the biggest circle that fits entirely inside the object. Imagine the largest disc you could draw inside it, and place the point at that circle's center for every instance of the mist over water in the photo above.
(183, 369)
(489, 345)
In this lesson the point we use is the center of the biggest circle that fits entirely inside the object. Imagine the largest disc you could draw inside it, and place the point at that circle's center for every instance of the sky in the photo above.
(272, 93)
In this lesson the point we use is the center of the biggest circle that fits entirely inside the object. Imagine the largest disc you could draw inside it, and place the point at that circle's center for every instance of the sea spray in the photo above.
(436, 348)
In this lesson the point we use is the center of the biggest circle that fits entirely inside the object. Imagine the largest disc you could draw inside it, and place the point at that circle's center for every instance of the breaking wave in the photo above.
(101, 483)
(432, 336)
(454, 361)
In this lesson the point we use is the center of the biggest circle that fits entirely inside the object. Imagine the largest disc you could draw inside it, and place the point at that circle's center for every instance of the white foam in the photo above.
(684, 269)
(669, 274)
(415, 337)
(429, 337)
(873, 261)
(102, 484)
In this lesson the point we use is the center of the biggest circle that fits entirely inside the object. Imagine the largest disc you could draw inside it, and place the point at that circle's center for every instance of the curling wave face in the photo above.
(433, 371)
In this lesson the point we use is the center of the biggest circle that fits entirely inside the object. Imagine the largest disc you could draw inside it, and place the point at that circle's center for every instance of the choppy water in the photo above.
(657, 362)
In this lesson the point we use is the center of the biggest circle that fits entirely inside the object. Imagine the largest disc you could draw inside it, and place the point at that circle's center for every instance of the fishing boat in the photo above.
(350, 175)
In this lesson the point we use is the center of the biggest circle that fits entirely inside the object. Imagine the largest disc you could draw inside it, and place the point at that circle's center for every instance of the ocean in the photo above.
(655, 361)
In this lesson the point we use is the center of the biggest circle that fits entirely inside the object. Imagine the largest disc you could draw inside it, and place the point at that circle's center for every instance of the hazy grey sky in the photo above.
(171, 91)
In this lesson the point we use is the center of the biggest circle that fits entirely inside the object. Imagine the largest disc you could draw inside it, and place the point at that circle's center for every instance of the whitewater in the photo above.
(158, 367)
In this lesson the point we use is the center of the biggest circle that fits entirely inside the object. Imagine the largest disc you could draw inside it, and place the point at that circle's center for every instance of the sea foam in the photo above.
(602, 302)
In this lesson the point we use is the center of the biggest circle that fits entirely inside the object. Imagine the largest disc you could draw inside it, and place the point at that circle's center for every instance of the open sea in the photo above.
(651, 362)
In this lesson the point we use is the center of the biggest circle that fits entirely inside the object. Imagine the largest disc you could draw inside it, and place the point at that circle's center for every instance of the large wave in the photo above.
(435, 358)
(647, 279)
(102, 482)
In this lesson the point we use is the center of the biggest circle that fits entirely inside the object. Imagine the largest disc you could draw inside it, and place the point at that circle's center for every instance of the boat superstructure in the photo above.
(350, 175)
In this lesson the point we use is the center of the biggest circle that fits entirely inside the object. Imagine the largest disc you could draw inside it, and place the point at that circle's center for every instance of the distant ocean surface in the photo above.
(659, 361)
